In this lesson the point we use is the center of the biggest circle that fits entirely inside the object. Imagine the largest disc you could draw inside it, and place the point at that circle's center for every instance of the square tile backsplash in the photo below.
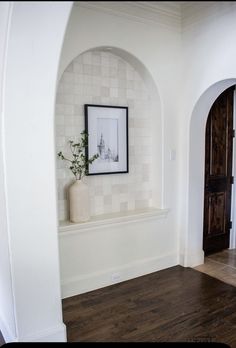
(97, 77)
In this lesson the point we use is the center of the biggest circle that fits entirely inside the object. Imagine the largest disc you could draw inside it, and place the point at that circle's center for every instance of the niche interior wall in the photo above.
(102, 77)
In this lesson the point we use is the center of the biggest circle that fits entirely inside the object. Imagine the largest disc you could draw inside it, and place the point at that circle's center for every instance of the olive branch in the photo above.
(79, 162)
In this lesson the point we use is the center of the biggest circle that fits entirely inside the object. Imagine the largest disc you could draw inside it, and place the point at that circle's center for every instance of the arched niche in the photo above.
(151, 111)
(194, 254)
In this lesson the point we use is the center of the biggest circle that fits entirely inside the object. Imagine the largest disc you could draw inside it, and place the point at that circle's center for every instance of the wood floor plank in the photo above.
(2, 342)
(176, 304)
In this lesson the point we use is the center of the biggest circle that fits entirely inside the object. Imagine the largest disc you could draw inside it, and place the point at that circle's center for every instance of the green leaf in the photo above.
(79, 162)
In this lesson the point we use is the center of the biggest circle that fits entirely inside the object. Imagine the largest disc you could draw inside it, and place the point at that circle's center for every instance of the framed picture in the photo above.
(107, 127)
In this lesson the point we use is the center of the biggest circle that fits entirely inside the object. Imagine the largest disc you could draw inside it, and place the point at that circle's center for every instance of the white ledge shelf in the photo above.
(111, 219)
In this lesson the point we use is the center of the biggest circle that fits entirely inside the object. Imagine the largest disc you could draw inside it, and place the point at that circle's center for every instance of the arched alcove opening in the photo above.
(194, 251)
(112, 77)
(109, 76)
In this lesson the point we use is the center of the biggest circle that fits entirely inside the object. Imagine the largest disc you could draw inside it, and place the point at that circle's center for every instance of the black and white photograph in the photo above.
(108, 149)
(107, 127)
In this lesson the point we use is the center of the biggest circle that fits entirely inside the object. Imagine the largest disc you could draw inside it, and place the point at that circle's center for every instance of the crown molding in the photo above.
(175, 15)
(198, 12)
(167, 13)
(167, 8)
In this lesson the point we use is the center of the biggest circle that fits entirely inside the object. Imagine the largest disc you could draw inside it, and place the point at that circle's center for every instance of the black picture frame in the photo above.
(107, 127)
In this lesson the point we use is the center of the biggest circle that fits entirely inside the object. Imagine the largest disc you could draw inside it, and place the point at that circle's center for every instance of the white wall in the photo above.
(209, 57)
(34, 44)
(95, 255)
(7, 319)
(34, 47)
(157, 49)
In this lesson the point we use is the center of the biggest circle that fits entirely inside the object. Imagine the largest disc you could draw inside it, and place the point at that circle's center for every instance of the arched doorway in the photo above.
(194, 254)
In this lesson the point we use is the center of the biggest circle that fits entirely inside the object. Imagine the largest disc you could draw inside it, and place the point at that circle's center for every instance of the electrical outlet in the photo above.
(115, 277)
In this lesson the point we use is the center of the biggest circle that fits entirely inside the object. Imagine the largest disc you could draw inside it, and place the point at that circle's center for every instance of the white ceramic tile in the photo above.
(96, 59)
(114, 82)
(88, 80)
(70, 130)
(97, 80)
(123, 206)
(105, 60)
(105, 71)
(68, 77)
(105, 81)
(103, 78)
(69, 109)
(78, 67)
(60, 120)
(87, 58)
(87, 69)
(79, 78)
(96, 100)
(96, 70)
(105, 91)
(114, 92)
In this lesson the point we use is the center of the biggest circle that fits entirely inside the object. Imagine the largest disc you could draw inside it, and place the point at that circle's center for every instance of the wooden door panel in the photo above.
(218, 173)
(218, 144)
(216, 213)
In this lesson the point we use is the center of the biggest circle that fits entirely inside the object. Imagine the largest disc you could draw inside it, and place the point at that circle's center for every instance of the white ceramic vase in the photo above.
(79, 202)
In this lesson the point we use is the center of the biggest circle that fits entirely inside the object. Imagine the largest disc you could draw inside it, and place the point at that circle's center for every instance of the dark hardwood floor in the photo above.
(1, 340)
(173, 305)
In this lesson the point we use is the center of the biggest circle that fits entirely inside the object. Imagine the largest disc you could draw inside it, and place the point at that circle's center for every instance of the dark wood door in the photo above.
(218, 173)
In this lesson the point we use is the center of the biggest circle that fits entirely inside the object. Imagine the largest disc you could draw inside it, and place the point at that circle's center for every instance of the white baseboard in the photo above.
(55, 334)
(181, 259)
(81, 284)
(193, 259)
(6, 332)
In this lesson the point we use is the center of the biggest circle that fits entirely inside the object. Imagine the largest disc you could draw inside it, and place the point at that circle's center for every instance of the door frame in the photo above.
(191, 234)
(232, 238)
